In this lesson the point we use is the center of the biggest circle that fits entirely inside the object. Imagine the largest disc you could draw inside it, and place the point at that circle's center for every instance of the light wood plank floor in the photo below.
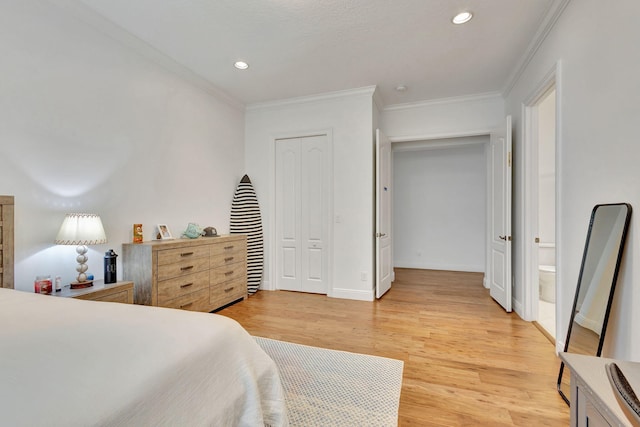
(467, 361)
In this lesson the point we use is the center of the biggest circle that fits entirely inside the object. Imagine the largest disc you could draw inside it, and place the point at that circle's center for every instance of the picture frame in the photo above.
(163, 232)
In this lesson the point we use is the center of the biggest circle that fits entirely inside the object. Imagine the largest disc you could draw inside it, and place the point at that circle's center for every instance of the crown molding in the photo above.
(367, 90)
(440, 101)
(99, 23)
(548, 23)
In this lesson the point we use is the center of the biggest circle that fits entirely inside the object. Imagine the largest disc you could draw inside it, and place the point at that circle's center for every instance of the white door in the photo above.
(302, 214)
(383, 214)
(500, 215)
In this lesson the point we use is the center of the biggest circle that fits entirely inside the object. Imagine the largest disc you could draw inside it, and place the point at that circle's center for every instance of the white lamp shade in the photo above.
(81, 229)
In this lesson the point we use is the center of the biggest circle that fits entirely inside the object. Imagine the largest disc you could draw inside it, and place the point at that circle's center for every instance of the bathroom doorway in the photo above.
(546, 185)
(540, 186)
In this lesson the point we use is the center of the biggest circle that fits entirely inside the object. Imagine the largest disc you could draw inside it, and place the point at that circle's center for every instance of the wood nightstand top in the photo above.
(121, 291)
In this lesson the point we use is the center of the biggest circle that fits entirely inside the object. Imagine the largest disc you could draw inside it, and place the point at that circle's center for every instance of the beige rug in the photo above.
(336, 388)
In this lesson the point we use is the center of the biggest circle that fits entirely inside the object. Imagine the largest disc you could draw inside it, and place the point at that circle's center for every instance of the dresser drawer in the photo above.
(227, 248)
(180, 286)
(195, 301)
(171, 256)
(125, 297)
(182, 268)
(227, 273)
(224, 293)
(224, 259)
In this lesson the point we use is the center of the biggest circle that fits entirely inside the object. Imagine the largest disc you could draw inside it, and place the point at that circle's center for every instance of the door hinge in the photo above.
(537, 240)
(509, 159)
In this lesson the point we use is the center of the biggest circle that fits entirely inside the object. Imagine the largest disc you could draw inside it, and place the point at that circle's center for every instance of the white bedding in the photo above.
(67, 362)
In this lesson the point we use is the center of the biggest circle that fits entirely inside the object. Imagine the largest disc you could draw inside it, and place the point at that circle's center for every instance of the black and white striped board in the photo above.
(246, 219)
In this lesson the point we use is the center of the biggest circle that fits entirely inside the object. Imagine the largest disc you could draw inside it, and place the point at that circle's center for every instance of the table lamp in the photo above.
(81, 229)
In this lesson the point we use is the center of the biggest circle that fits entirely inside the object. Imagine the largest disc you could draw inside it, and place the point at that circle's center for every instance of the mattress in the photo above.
(68, 362)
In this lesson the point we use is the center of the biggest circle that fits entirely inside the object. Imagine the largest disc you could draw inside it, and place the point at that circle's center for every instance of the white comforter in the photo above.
(67, 362)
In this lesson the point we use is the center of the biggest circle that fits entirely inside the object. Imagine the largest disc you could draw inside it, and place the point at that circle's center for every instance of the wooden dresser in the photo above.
(200, 274)
(6, 241)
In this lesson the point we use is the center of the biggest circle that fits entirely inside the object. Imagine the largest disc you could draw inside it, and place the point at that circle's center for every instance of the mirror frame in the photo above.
(614, 279)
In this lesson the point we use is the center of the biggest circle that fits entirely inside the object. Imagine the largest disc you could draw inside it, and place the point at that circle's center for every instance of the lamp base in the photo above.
(80, 285)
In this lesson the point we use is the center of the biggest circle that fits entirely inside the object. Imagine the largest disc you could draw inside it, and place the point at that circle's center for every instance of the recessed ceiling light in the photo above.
(241, 65)
(462, 17)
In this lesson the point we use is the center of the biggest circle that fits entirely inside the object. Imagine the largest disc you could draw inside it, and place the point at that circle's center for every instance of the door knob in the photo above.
(503, 237)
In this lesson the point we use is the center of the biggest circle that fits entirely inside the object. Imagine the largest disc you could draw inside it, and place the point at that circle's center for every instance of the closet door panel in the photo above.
(288, 214)
(314, 182)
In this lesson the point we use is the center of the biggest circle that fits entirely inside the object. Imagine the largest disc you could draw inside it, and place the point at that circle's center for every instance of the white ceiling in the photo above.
(306, 47)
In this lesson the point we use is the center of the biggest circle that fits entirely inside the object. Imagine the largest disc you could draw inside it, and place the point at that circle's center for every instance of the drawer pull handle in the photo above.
(189, 267)
(189, 304)
(229, 289)
(186, 253)
(186, 285)
(228, 273)
(228, 259)
(226, 248)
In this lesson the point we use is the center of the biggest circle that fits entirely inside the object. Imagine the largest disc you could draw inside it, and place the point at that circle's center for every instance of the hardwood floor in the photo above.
(467, 361)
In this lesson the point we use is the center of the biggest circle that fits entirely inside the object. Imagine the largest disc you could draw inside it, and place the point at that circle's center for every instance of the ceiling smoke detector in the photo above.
(241, 65)
(462, 17)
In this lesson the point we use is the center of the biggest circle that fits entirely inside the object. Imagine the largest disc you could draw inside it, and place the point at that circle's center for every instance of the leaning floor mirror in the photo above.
(596, 284)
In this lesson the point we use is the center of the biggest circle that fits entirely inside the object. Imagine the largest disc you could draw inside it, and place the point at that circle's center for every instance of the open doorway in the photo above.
(444, 210)
(440, 203)
(540, 186)
(546, 184)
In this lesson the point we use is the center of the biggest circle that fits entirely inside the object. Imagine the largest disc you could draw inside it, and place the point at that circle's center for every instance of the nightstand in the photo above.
(115, 292)
(593, 401)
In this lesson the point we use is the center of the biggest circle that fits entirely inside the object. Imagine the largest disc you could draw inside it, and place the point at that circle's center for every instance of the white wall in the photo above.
(440, 205)
(599, 98)
(87, 125)
(348, 117)
(444, 118)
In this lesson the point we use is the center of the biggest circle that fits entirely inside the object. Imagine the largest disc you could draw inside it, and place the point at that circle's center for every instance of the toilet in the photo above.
(547, 283)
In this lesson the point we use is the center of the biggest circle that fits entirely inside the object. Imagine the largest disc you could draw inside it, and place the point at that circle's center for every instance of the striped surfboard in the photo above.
(246, 219)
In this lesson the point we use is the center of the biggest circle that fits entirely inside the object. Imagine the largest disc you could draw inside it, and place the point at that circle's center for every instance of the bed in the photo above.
(69, 362)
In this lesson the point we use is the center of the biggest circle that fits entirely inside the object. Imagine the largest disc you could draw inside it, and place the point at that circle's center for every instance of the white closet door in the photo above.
(302, 215)
(288, 214)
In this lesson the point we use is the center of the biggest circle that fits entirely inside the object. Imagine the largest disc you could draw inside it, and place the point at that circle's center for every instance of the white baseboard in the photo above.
(446, 267)
(367, 295)
(335, 293)
(266, 286)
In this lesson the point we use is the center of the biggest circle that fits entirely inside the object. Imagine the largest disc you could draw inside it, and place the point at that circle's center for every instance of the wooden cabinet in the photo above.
(115, 292)
(193, 274)
(6, 241)
(593, 401)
